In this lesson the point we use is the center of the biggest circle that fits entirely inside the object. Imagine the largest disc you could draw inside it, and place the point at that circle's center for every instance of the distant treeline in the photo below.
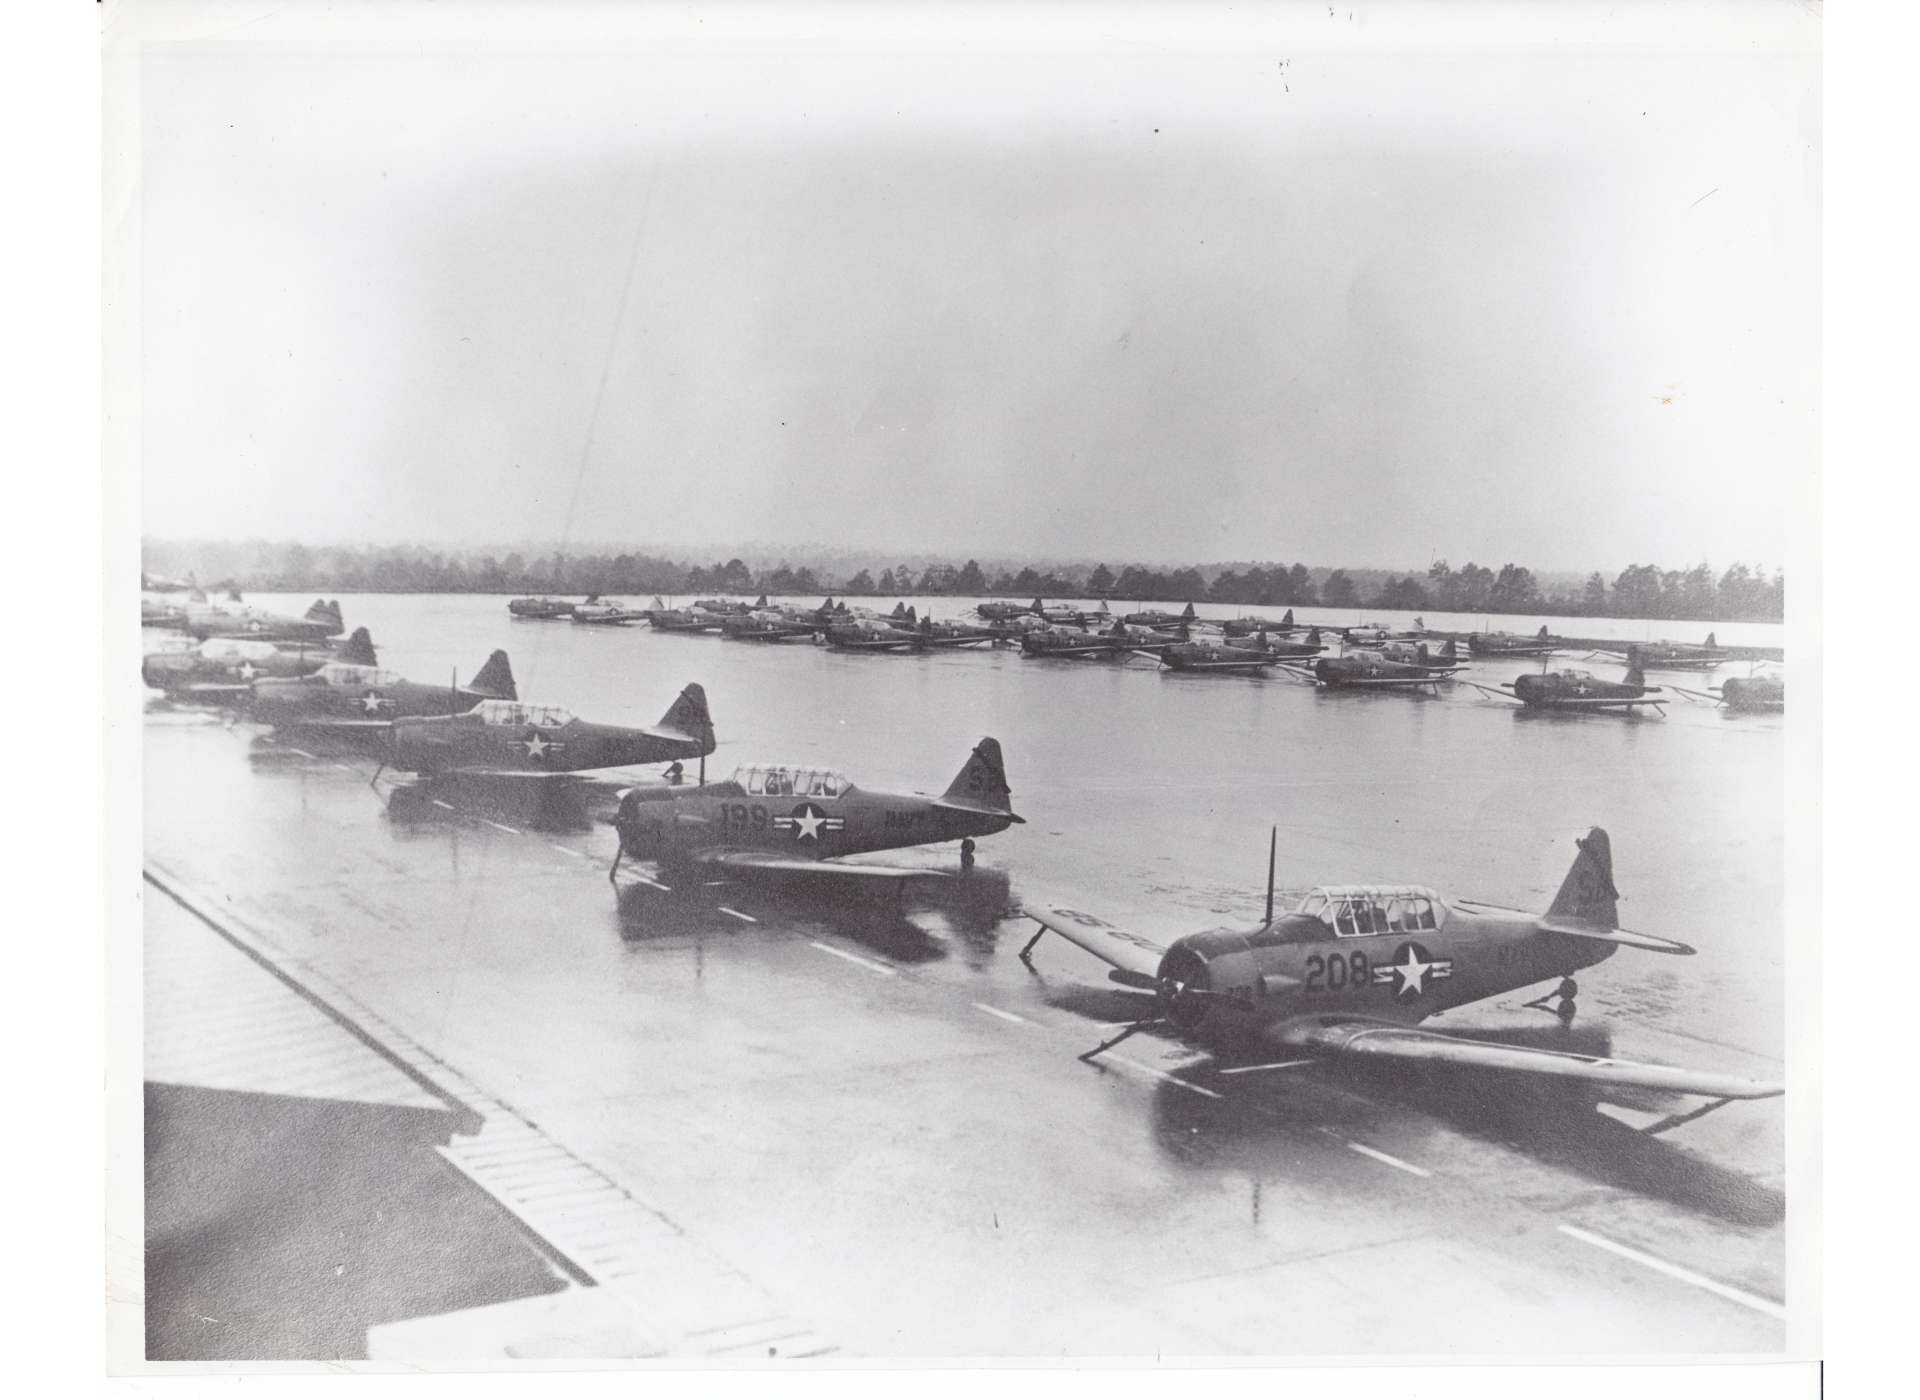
(1740, 593)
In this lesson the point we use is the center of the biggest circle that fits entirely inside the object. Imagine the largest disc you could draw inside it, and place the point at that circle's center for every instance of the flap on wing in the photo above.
(1411, 1043)
(766, 860)
(1106, 942)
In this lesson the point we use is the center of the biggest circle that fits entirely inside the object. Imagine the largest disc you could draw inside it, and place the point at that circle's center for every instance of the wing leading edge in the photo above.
(1407, 1043)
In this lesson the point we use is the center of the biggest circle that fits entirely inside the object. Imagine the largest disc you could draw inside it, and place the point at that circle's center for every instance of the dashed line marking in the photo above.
(1003, 1015)
(1388, 1159)
(880, 968)
(502, 826)
(1162, 1074)
(1277, 1064)
(1674, 1271)
(744, 918)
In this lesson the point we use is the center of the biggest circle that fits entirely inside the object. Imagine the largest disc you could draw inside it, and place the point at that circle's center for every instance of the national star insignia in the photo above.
(1411, 969)
(537, 746)
(247, 671)
(373, 702)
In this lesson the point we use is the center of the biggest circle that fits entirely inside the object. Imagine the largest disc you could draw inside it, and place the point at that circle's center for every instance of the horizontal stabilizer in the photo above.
(975, 809)
(1409, 1044)
(1627, 938)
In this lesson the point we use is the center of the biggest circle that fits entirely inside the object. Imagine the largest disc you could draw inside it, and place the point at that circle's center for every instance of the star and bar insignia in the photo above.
(373, 702)
(537, 744)
(1411, 969)
(807, 822)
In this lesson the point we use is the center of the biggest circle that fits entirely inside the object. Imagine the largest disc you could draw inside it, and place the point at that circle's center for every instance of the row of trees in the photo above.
(1641, 590)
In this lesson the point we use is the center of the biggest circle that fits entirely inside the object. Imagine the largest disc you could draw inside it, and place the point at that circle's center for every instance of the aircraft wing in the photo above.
(1409, 1043)
(1127, 951)
(766, 860)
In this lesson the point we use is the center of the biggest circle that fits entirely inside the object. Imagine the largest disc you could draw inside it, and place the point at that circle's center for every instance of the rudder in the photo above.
(358, 649)
(688, 716)
(1588, 892)
(495, 678)
(982, 780)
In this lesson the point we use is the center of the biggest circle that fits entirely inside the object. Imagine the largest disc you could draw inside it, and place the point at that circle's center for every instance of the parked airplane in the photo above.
(800, 818)
(222, 670)
(1368, 670)
(605, 612)
(321, 621)
(1249, 625)
(872, 634)
(1578, 690)
(1672, 656)
(1355, 969)
(1447, 659)
(1507, 644)
(1159, 617)
(509, 738)
(544, 609)
(1056, 640)
(344, 695)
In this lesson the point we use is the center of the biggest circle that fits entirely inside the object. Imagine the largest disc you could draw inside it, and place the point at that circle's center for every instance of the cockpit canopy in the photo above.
(1368, 655)
(347, 673)
(786, 780)
(517, 713)
(1573, 675)
(1357, 911)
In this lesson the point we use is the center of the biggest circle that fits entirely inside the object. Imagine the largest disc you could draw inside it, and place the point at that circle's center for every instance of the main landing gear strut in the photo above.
(1560, 1001)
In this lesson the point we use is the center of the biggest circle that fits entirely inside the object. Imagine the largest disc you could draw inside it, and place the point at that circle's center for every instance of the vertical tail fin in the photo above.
(1588, 892)
(1037, 606)
(982, 780)
(1287, 621)
(1635, 676)
(1189, 614)
(495, 678)
(1451, 651)
(1710, 641)
(358, 649)
(688, 718)
(761, 601)
(1542, 633)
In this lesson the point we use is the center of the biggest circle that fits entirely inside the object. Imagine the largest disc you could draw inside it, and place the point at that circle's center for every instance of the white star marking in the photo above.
(1413, 973)
(248, 670)
(807, 823)
(372, 701)
(536, 746)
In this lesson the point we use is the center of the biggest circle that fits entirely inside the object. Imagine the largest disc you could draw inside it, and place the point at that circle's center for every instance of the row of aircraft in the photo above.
(1351, 973)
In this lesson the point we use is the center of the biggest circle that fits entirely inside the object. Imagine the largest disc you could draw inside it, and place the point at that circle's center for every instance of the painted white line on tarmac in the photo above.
(744, 918)
(1380, 1156)
(1003, 1015)
(1162, 1074)
(1277, 1064)
(880, 968)
(502, 826)
(1674, 1271)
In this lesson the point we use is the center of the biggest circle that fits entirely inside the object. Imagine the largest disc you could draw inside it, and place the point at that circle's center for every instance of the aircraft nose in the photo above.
(1184, 970)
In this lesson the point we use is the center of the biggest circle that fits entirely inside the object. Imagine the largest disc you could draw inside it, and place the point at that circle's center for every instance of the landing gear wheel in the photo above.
(1569, 989)
(966, 853)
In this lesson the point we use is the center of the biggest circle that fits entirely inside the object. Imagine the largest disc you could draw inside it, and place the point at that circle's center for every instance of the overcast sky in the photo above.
(1325, 291)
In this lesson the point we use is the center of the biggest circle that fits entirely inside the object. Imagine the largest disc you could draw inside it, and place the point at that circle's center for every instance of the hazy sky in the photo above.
(1324, 290)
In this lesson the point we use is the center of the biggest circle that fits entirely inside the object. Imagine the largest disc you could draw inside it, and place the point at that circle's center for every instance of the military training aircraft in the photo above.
(321, 621)
(1672, 656)
(955, 634)
(800, 818)
(1159, 617)
(344, 696)
(1507, 644)
(770, 624)
(856, 633)
(222, 670)
(694, 619)
(604, 612)
(1006, 612)
(509, 738)
(1355, 969)
(1366, 669)
(1057, 640)
(1765, 693)
(541, 609)
(1256, 654)
(1416, 654)
(1578, 690)
(1247, 626)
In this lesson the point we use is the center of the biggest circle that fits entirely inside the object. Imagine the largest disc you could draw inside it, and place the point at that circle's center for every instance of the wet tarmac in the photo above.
(876, 1112)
